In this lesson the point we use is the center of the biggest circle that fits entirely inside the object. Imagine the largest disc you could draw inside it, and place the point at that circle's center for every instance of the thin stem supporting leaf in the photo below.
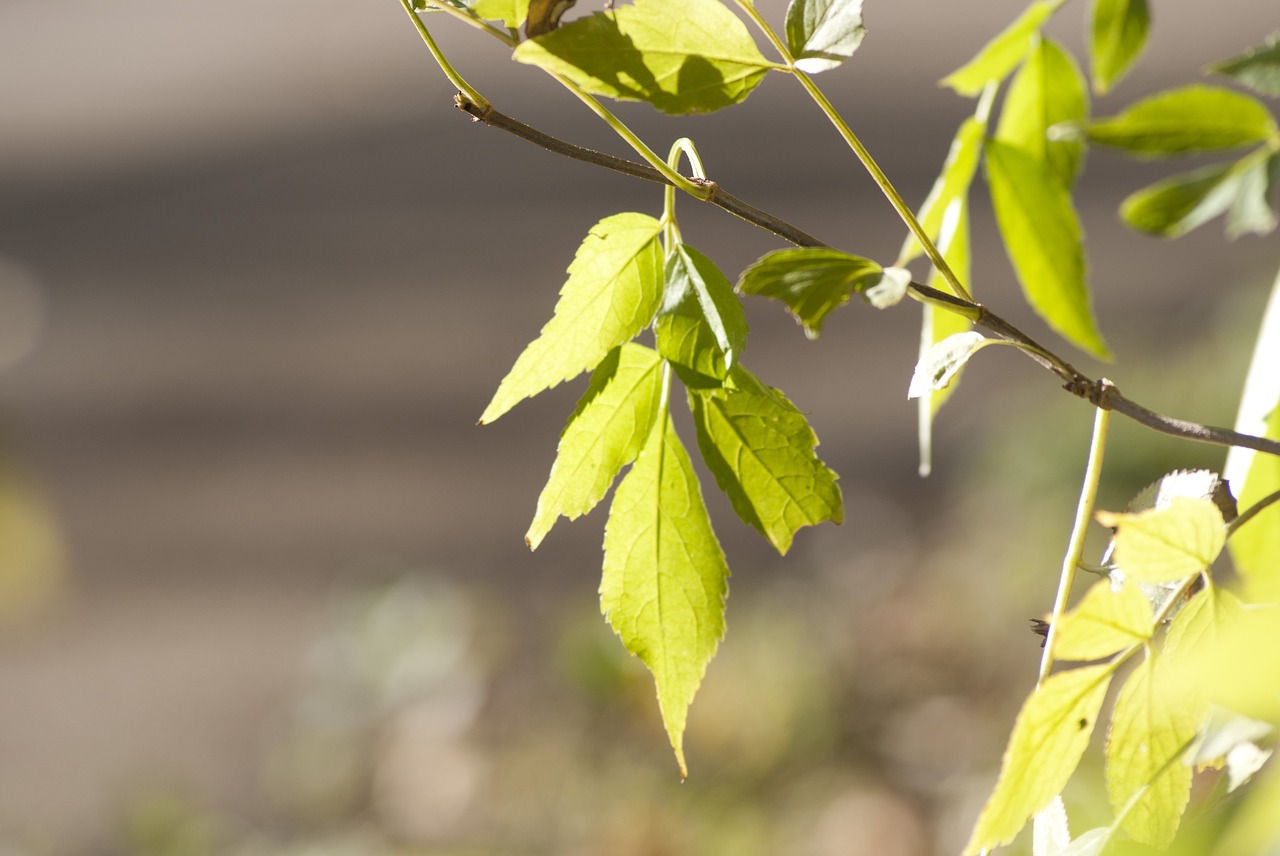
(456, 79)
(1252, 512)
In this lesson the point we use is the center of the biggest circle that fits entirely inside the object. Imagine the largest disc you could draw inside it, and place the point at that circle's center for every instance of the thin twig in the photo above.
(1101, 393)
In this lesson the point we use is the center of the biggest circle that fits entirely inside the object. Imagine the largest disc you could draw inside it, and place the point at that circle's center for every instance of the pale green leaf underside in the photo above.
(1000, 55)
(665, 577)
(1043, 238)
(1167, 544)
(701, 325)
(811, 281)
(1049, 736)
(1188, 120)
(604, 434)
(951, 185)
(943, 361)
(760, 449)
(613, 291)
(1103, 623)
(1047, 90)
(1149, 729)
(821, 34)
(681, 56)
(1118, 32)
(1258, 68)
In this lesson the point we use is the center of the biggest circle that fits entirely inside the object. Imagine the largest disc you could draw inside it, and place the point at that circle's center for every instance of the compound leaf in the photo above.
(760, 449)
(1166, 544)
(1189, 120)
(1049, 89)
(1118, 32)
(811, 281)
(604, 434)
(1000, 55)
(1104, 622)
(681, 56)
(613, 290)
(665, 577)
(1042, 236)
(1257, 68)
(821, 34)
(1049, 736)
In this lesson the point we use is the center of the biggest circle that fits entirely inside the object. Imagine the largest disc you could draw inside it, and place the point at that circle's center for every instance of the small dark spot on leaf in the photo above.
(1082, 724)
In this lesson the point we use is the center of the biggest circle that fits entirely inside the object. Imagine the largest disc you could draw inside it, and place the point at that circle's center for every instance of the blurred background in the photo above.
(263, 587)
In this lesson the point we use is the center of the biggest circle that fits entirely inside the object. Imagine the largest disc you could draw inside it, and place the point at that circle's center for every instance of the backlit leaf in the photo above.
(951, 185)
(604, 434)
(1104, 622)
(943, 361)
(1047, 90)
(1166, 544)
(701, 324)
(821, 34)
(1251, 210)
(1255, 547)
(509, 12)
(681, 56)
(665, 577)
(811, 281)
(1174, 206)
(1000, 55)
(613, 290)
(1049, 736)
(1118, 32)
(760, 449)
(1189, 120)
(1258, 68)
(1042, 236)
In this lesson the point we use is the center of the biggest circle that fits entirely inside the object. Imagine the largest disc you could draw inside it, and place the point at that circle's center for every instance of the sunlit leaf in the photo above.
(509, 12)
(811, 281)
(889, 289)
(665, 577)
(821, 34)
(1047, 90)
(1000, 55)
(701, 324)
(1166, 544)
(1255, 547)
(760, 449)
(1042, 236)
(1174, 206)
(1104, 622)
(1258, 68)
(1150, 730)
(1118, 32)
(943, 361)
(1189, 120)
(1090, 843)
(1050, 834)
(613, 290)
(1049, 736)
(681, 56)
(951, 185)
(604, 434)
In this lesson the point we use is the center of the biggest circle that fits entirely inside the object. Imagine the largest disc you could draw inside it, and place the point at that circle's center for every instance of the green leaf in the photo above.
(1042, 236)
(1149, 731)
(1048, 90)
(1251, 210)
(510, 12)
(681, 56)
(1189, 120)
(951, 185)
(760, 449)
(1255, 546)
(604, 434)
(1117, 35)
(943, 361)
(1049, 736)
(1104, 622)
(811, 281)
(613, 290)
(701, 324)
(1176, 205)
(821, 34)
(1000, 55)
(1167, 544)
(1257, 68)
(665, 577)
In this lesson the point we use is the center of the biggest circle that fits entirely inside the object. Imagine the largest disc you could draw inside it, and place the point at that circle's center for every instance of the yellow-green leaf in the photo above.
(509, 12)
(1049, 89)
(665, 577)
(1255, 546)
(811, 281)
(1118, 32)
(1188, 120)
(613, 291)
(1104, 622)
(949, 193)
(1049, 736)
(1166, 544)
(1000, 55)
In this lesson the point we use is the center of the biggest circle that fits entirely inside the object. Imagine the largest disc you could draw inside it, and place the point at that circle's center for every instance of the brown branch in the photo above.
(1101, 393)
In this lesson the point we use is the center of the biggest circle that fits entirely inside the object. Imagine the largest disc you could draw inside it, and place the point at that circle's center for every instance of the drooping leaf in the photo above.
(1150, 730)
(943, 361)
(811, 281)
(760, 449)
(613, 290)
(1189, 120)
(821, 34)
(701, 325)
(1257, 68)
(1104, 622)
(1118, 32)
(1049, 736)
(1166, 544)
(681, 56)
(665, 577)
(1003, 53)
(1042, 236)
(951, 185)
(1049, 89)
(604, 434)
(510, 12)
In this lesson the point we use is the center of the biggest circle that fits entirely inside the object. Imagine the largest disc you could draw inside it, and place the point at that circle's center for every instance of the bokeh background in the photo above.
(262, 581)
